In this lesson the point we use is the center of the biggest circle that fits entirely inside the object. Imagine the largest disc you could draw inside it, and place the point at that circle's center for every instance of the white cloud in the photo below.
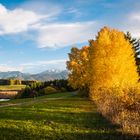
(135, 16)
(134, 23)
(60, 35)
(76, 12)
(34, 67)
(40, 66)
(47, 32)
(41, 7)
(131, 23)
(5, 68)
(46, 63)
(18, 20)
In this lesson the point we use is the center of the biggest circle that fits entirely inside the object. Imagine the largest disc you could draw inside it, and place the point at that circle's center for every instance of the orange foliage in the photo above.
(77, 66)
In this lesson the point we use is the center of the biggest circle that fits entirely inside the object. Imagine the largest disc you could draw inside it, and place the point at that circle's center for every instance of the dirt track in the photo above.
(30, 102)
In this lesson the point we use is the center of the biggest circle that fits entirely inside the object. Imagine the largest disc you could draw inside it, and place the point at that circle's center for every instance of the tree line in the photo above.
(16, 82)
(36, 88)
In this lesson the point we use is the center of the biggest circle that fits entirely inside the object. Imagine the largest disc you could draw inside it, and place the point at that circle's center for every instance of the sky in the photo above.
(37, 35)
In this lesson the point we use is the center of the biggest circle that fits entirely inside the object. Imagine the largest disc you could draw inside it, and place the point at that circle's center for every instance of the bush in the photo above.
(27, 93)
(121, 107)
(47, 90)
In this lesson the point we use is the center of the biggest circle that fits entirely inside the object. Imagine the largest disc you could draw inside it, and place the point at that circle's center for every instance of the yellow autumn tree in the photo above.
(112, 62)
(77, 66)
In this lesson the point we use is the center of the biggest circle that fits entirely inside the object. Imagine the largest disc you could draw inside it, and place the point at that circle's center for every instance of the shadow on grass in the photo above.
(58, 121)
(101, 129)
(89, 120)
(17, 134)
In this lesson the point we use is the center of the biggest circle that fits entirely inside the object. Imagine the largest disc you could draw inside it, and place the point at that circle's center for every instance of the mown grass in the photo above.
(11, 87)
(71, 118)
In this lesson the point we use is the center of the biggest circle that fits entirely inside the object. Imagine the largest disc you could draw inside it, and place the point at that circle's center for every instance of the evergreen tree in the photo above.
(136, 46)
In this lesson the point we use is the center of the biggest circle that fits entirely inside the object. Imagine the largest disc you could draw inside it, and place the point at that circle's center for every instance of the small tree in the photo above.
(11, 81)
(77, 66)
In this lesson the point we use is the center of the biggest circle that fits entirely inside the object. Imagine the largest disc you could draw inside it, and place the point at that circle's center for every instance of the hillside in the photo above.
(50, 75)
(43, 76)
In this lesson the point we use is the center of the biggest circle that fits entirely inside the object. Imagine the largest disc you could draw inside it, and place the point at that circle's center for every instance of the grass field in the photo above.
(61, 116)
(11, 87)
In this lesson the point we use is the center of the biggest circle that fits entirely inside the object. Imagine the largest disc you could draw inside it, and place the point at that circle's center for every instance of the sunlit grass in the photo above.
(12, 87)
(69, 118)
(39, 98)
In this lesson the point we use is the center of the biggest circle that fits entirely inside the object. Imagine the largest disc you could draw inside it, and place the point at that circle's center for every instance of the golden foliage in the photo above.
(108, 67)
(112, 62)
(77, 66)
(113, 73)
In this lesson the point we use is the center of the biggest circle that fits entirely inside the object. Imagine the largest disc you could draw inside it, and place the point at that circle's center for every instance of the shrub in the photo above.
(27, 93)
(121, 107)
(47, 90)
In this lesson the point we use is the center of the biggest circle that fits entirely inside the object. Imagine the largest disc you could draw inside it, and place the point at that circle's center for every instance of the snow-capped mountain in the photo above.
(43, 76)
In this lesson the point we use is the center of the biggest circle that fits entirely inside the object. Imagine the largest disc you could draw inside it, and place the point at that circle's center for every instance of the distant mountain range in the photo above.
(43, 76)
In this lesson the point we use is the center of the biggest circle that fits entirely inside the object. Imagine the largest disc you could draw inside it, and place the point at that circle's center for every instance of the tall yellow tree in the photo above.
(112, 62)
(77, 66)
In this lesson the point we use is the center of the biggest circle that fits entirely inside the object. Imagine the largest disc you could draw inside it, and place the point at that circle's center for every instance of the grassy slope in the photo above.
(69, 118)
(11, 87)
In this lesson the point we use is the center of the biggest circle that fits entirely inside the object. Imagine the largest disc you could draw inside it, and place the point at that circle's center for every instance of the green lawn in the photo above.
(51, 117)
(11, 87)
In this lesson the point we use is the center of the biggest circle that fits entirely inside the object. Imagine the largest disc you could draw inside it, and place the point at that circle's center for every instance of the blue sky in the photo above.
(36, 35)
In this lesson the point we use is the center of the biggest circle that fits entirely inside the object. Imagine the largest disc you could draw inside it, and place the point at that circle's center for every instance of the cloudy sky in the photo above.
(36, 35)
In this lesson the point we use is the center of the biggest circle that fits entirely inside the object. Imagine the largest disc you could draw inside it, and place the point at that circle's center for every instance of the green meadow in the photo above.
(11, 87)
(60, 116)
